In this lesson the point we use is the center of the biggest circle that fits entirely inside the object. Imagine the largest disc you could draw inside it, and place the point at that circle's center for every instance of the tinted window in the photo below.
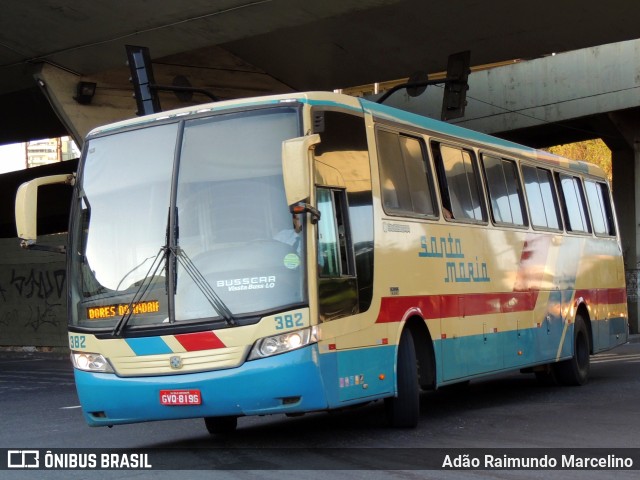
(459, 183)
(404, 174)
(504, 190)
(541, 196)
(574, 206)
(600, 206)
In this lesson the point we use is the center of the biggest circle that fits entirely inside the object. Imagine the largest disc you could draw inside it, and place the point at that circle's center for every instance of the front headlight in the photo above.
(285, 342)
(91, 362)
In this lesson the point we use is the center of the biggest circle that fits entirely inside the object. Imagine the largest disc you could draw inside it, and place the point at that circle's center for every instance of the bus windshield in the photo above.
(237, 251)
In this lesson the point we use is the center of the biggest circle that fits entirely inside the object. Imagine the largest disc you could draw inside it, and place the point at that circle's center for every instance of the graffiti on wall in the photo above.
(32, 299)
(42, 283)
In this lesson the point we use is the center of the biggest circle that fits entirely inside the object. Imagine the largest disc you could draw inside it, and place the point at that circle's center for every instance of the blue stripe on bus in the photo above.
(470, 356)
(354, 376)
(148, 346)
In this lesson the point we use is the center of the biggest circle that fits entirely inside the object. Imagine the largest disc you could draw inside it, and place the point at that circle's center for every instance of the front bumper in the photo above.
(286, 383)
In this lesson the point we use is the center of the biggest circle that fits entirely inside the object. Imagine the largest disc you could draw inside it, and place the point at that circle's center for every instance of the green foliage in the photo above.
(592, 151)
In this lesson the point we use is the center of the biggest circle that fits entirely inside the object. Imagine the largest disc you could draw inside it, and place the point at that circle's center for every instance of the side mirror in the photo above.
(26, 210)
(296, 167)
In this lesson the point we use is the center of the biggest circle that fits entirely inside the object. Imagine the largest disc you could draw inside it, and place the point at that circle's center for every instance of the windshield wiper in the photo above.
(205, 287)
(158, 261)
(162, 258)
(209, 293)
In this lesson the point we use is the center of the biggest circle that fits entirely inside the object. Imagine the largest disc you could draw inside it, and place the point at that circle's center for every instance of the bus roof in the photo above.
(385, 112)
(303, 97)
(479, 139)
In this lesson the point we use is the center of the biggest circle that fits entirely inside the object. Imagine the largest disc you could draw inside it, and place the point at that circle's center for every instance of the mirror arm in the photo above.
(306, 208)
(402, 86)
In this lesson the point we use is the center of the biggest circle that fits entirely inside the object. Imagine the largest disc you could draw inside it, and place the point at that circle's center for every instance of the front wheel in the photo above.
(575, 371)
(404, 410)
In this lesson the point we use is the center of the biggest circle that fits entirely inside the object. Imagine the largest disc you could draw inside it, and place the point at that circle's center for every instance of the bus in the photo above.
(314, 251)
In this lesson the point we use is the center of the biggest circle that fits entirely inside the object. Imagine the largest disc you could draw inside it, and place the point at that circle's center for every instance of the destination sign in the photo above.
(108, 311)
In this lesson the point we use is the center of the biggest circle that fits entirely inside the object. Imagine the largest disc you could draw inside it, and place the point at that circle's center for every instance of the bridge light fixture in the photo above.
(85, 92)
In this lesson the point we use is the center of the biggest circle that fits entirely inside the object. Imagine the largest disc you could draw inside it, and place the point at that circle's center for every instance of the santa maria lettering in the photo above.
(457, 267)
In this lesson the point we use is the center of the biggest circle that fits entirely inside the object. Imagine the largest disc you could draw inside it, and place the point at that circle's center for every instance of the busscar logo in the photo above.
(247, 283)
(23, 459)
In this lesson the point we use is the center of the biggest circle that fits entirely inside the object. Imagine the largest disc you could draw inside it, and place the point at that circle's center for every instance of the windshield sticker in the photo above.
(108, 311)
(291, 261)
(247, 283)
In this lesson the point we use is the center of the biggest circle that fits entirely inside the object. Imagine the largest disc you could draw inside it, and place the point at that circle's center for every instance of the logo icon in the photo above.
(175, 362)
(23, 459)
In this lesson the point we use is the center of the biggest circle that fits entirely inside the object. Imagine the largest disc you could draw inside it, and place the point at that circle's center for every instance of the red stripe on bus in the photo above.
(200, 341)
(393, 309)
(603, 296)
(617, 295)
(532, 262)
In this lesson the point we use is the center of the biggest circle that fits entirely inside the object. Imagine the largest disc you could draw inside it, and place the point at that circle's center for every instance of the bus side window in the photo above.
(405, 179)
(459, 183)
(573, 204)
(600, 206)
(543, 205)
(503, 183)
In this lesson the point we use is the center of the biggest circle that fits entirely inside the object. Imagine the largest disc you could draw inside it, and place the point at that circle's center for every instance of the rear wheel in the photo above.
(404, 410)
(221, 425)
(575, 371)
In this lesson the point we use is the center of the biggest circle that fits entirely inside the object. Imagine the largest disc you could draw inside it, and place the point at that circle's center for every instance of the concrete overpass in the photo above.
(246, 47)
(251, 48)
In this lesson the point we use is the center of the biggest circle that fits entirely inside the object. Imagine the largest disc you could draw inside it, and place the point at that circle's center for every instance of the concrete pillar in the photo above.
(626, 184)
(626, 166)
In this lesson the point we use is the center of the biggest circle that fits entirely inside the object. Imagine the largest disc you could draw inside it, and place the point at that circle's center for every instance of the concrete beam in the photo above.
(59, 87)
(552, 89)
(210, 68)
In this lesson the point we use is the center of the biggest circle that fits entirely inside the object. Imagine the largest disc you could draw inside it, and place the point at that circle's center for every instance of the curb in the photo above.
(34, 352)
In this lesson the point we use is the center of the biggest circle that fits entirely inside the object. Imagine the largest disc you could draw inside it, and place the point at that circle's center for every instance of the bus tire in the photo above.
(575, 371)
(221, 425)
(403, 410)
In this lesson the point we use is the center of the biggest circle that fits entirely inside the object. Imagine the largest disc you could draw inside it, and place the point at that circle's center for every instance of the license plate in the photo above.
(180, 397)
